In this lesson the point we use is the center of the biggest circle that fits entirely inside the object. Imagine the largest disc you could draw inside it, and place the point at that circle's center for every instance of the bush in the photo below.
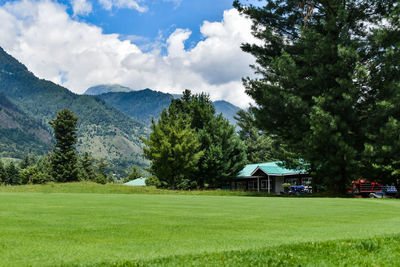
(32, 175)
(101, 179)
(153, 181)
(186, 184)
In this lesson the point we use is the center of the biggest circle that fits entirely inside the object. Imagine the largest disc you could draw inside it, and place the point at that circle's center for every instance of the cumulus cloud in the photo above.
(130, 4)
(76, 55)
(81, 7)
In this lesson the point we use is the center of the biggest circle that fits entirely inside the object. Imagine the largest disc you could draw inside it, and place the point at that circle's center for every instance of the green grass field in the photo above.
(104, 229)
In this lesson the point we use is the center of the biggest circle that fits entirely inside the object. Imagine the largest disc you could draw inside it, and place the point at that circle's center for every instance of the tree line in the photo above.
(63, 164)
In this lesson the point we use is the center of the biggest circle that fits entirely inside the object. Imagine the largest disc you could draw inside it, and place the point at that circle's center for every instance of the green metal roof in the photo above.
(271, 168)
(137, 182)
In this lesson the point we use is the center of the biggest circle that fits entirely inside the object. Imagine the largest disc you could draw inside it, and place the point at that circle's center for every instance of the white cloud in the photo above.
(81, 7)
(130, 4)
(77, 55)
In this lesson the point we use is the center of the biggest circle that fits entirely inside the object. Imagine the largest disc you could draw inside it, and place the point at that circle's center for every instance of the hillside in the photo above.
(227, 109)
(147, 104)
(102, 129)
(142, 105)
(21, 132)
(106, 88)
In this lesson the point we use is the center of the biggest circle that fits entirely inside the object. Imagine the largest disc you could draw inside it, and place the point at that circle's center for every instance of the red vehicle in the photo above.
(364, 188)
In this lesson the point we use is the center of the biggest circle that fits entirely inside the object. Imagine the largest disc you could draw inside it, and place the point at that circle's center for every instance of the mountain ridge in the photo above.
(103, 130)
(147, 104)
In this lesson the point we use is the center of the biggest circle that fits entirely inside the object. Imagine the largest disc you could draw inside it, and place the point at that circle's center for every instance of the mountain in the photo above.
(106, 88)
(142, 105)
(103, 130)
(18, 130)
(147, 104)
(227, 109)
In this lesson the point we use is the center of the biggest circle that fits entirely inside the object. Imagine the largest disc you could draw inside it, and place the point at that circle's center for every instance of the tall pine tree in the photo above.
(64, 159)
(314, 91)
(382, 150)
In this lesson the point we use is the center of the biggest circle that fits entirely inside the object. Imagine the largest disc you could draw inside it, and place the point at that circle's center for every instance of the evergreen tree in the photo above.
(101, 176)
(12, 174)
(315, 93)
(173, 149)
(86, 170)
(260, 147)
(224, 154)
(44, 166)
(27, 161)
(134, 174)
(2, 173)
(64, 158)
(383, 147)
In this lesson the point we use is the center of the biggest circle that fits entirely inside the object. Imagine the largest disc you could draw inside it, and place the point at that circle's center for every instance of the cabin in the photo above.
(269, 177)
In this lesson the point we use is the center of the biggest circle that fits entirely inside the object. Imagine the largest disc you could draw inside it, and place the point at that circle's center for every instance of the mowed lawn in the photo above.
(88, 229)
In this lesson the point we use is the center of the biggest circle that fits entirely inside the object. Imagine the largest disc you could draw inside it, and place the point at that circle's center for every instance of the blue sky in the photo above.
(159, 20)
(165, 45)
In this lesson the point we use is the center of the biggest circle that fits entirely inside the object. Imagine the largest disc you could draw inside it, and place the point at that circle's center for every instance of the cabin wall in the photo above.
(278, 184)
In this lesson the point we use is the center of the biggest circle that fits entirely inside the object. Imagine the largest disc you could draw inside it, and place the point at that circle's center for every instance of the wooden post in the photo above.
(258, 184)
(269, 185)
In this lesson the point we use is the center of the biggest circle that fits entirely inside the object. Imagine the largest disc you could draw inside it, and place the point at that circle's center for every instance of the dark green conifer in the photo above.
(2, 172)
(64, 158)
(101, 176)
(173, 149)
(314, 91)
(260, 147)
(86, 170)
(12, 174)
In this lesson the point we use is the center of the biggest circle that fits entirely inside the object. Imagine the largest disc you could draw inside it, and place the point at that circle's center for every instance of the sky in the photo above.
(164, 45)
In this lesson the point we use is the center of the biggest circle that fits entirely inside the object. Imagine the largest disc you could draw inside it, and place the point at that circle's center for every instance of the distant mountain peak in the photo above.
(107, 88)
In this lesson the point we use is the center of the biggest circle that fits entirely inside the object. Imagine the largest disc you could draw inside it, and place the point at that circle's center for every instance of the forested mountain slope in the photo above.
(142, 105)
(102, 129)
(19, 133)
